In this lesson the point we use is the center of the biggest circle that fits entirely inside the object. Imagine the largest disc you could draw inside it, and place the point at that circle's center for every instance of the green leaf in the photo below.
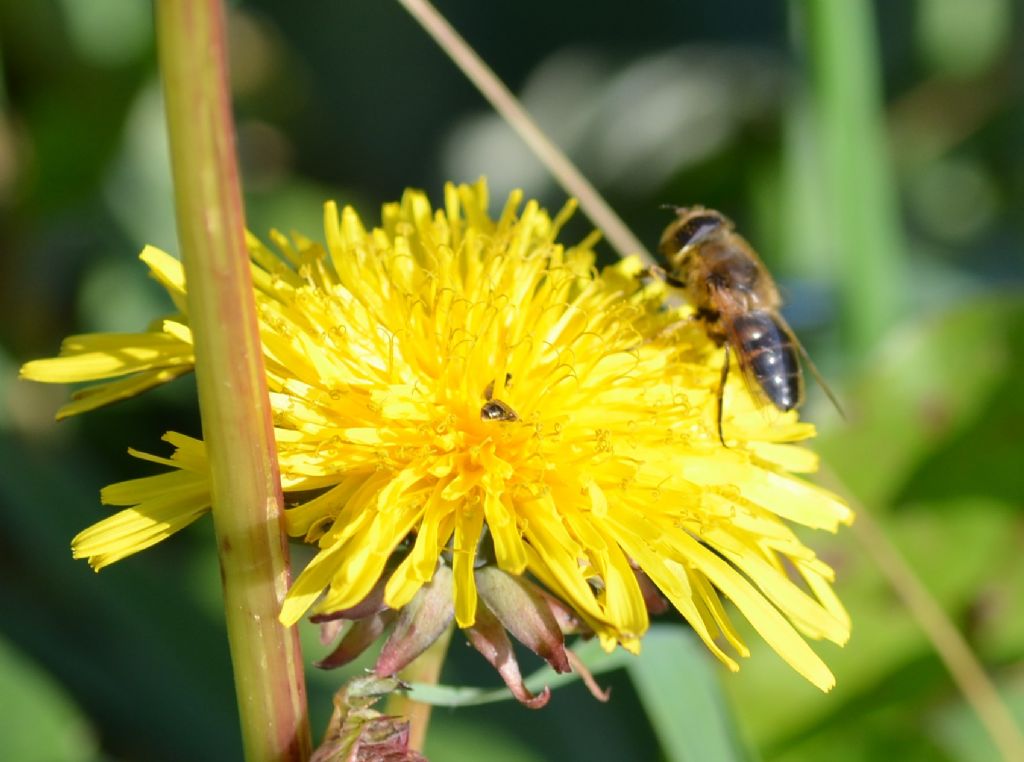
(925, 387)
(680, 691)
(888, 674)
(957, 728)
(40, 721)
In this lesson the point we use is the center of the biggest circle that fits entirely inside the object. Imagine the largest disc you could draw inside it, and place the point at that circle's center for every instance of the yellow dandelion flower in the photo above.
(466, 405)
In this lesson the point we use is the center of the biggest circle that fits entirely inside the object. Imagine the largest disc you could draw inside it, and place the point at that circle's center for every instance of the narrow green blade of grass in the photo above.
(858, 186)
(41, 721)
(680, 691)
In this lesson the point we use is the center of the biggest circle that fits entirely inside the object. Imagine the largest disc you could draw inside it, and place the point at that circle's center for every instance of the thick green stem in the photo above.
(863, 213)
(237, 425)
(425, 669)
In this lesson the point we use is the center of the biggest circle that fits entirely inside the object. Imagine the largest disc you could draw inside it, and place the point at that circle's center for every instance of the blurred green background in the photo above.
(874, 154)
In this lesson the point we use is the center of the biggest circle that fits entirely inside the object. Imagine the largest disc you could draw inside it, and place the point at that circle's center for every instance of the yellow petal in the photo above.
(97, 356)
(508, 538)
(418, 567)
(788, 497)
(469, 520)
(141, 526)
(764, 617)
(310, 584)
(94, 397)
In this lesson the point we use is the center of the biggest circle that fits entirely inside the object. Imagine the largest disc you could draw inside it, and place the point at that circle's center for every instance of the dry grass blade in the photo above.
(506, 104)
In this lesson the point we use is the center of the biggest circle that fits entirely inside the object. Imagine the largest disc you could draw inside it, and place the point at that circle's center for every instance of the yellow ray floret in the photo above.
(160, 506)
(385, 348)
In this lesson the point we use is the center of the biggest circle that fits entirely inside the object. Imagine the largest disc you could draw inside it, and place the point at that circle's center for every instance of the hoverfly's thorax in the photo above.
(730, 268)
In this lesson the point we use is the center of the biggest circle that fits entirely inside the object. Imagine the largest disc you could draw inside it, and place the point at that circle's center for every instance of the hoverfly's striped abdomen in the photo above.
(769, 351)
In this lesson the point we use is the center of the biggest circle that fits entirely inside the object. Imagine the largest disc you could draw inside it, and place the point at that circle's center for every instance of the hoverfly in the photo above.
(734, 296)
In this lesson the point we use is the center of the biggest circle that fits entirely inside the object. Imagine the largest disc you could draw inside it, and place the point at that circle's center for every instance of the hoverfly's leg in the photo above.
(668, 331)
(659, 273)
(674, 281)
(721, 395)
(651, 271)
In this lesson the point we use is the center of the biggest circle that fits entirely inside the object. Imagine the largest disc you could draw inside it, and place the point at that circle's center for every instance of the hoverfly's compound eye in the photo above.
(696, 229)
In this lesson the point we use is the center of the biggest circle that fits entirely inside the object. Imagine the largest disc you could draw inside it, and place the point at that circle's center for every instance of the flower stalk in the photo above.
(237, 424)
